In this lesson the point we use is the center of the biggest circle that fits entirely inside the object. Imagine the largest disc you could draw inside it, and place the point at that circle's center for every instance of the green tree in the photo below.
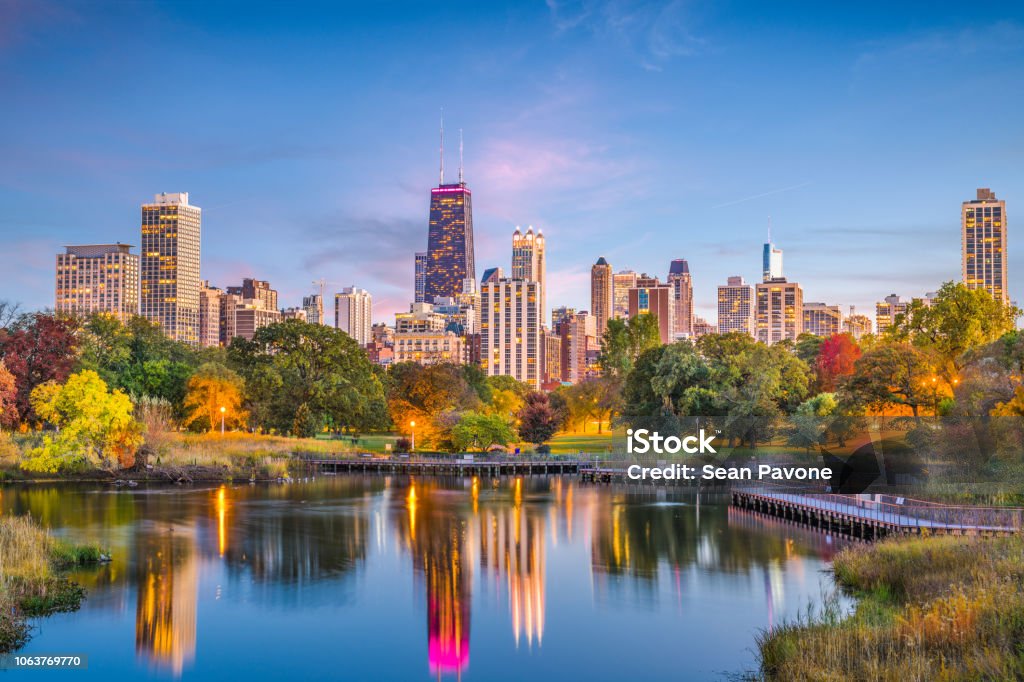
(807, 348)
(507, 396)
(480, 431)
(890, 374)
(625, 340)
(957, 320)
(96, 426)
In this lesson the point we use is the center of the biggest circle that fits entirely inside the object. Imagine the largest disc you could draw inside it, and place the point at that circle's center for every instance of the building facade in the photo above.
(779, 311)
(577, 333)
(602, 295)
(983, 244)
(681, 281)
(98, 278)
(510, 329)
(737, 307)
(209, 315)
(429, 348)
(450, 258)
(771, 262)
(169, 265)
(857, 325)
(529, 260)
(822, 320)
(655, 299)
(314, 307)
(887, 311)
(353, 313)
(420, 277)
(622, 282)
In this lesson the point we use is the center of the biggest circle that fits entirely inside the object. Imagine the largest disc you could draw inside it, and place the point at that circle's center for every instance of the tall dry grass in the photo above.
(939, 608)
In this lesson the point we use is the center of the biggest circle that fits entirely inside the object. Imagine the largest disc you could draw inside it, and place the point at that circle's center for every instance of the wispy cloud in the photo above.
(762, 194)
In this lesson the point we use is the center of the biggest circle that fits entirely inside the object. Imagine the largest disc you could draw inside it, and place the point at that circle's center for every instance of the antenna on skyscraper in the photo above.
(769, 229)
(442, 147)
(460, 156)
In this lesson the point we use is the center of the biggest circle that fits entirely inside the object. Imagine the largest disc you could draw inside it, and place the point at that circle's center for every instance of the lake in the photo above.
(394, 578)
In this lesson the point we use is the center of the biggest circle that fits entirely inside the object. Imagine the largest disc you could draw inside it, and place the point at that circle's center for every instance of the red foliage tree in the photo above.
(38, 348)
(835, 359)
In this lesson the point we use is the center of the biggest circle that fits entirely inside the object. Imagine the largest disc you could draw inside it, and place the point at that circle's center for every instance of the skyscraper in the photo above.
(314, 307)
(623, 281)
(450, 257)
(736, 307)
(209, 315)
(353, 313)
(682, 298)
(528, 259)
(98, 278)
(856, 325)
(779, 310)
(421, 277)
(577, 335)
(602, 295)
(887, 310)
(771, 259)
(510, 329)
(169, 269)
(983, 242)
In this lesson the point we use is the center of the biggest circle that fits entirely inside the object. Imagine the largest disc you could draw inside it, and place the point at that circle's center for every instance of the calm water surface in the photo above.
(400, 579)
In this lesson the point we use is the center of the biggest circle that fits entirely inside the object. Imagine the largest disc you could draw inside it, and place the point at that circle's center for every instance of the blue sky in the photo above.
(638, 131)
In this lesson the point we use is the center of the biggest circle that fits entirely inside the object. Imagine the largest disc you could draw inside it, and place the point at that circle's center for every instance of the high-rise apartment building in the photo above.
(169, 265)
(577, 334)
(258, 292)
(209, 315)
(623, 281)
(887, 311)
(246, 308)
(314, 307)
(420, 281)
(983, 244)
(510, 329)
(529, 260)
(856, 325)
(779, 313)
(737, 307)
(682, 298)
(294, 314)
(353, 313)
(421, 319)
(654, 299)
(822, 320)
(552, 342)
(602, 295)
(98, 278)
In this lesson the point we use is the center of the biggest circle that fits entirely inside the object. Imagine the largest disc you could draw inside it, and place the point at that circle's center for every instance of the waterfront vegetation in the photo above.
(32, 581)
(932, 608)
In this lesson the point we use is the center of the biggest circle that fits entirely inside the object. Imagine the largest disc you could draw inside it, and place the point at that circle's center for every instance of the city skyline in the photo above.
(620, 167)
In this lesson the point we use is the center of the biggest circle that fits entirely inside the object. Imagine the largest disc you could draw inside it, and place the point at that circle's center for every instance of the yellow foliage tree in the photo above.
(210, 389)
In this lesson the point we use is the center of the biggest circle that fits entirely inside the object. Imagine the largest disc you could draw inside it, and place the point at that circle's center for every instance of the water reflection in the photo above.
(191, 560)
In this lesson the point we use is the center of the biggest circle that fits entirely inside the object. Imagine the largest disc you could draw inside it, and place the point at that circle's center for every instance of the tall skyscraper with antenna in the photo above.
(450, 257)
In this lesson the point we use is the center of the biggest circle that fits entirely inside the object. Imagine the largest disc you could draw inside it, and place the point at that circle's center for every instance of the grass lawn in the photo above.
(589, 443)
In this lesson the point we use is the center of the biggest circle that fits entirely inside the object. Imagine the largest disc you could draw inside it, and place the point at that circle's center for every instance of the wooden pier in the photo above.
(444, 466)
(870, 517)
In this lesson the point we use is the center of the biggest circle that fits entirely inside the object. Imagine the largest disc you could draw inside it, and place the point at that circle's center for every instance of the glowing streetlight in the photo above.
(412, 425)
(222, 411)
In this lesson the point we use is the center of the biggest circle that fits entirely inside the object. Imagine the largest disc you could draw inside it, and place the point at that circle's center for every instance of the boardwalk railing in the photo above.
(892, 510)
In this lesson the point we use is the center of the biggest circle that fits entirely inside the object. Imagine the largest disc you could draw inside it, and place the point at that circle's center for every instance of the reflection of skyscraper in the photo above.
(450, 257)
(165, 613)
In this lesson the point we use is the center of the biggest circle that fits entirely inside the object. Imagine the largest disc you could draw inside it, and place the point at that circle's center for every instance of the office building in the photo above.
(98, 278)
(602, 295)
(577, 333)
(246, 308)
(294, 314)
(510, 329)
(169, 265)
(353, 313)
(682, 298)
(421, 318)
(429, 348)
(737, 307)
(771, 262)
(622, 282)
(420, 280)
(983, 244)
(450, 255)
(654, 299)
(887, 311)
(552, 373)
(257, 292)
(779, 314)
(822, 320)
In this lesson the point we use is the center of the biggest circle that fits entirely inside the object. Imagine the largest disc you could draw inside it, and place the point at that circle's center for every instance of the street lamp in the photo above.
(412, 425)
(222, 411)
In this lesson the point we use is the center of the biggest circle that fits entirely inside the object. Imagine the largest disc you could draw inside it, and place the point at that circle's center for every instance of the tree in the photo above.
(836, 359)
(37, 348)
(95, 425)
(8, 398)
(507, 395)
(956, 320)
(891, 374)
(538, 421)
(430, 395)
(625, 340)
(212, 393)
(811, 420)
(807, 348)
(482, 431)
